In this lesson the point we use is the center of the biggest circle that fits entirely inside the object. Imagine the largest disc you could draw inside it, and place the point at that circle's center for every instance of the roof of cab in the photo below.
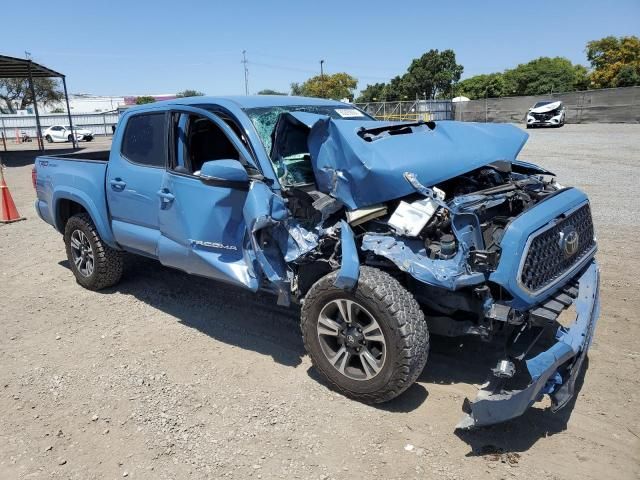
(249, 101)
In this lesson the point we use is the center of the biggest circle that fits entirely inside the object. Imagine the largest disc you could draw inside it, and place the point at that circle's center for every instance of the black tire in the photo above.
(48, 139)
(70, 138)
(88, 139)
(108, 263)
(400, 319)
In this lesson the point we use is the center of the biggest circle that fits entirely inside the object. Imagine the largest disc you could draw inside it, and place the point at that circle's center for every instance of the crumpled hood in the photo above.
(360, 173)
(546, 108)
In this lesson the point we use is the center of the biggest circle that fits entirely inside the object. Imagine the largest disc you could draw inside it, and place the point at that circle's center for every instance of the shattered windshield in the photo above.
(265, 118)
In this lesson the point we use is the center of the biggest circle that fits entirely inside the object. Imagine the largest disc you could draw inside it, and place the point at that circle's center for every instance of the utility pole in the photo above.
(246, 72)
(321, 69)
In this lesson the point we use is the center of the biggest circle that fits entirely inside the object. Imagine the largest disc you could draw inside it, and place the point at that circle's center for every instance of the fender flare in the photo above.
(81, 198)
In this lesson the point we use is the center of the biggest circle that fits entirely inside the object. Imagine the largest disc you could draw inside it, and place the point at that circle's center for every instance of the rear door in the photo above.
(57, 132)
(134, 177)
(201, 224)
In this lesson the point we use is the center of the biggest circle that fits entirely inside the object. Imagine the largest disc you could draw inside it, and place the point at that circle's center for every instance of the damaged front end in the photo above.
(488, 245)
(522, 378)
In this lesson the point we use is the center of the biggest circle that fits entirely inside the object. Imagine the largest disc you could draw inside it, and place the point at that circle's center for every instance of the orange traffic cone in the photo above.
(8, 211)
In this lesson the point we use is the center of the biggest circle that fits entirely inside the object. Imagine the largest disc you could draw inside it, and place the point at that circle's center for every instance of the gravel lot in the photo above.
(172, 376)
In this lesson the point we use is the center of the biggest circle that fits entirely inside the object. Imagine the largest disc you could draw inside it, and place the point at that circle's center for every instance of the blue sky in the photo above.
(119, 47)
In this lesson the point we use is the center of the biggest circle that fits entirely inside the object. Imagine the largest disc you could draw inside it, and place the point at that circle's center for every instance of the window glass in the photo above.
(201, 141)
(265, 118)
(144, 139)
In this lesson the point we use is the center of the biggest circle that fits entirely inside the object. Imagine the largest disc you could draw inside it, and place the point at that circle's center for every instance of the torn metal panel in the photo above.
(410, 256)
(494, 405)
(360, 173)
(350, 265)
(275, 240)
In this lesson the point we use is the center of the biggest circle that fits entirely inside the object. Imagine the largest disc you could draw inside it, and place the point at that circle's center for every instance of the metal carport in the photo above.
(11, 67)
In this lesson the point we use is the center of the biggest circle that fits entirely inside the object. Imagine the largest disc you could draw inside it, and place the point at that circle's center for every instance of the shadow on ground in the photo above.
(232, 315)
(254, 322)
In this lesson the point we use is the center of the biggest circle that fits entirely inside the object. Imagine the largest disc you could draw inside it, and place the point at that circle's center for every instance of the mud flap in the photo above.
(273, 239)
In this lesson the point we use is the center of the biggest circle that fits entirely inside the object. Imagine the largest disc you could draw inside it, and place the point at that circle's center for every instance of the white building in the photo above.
(86, 103)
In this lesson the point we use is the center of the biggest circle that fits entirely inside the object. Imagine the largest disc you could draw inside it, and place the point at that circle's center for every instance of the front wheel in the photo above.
(371, 343)
(48, 139)
(94, 264)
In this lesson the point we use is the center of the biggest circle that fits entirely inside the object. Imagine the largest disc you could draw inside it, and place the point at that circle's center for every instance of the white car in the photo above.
(546, 113)
(61, 133)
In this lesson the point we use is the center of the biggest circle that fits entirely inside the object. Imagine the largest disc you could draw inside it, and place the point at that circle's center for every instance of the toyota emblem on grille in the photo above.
(569, 242)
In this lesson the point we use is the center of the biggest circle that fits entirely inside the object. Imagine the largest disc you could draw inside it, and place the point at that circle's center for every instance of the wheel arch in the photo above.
(68, 203)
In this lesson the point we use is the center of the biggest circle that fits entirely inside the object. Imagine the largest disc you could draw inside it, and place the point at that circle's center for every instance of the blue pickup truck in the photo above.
(384, 232)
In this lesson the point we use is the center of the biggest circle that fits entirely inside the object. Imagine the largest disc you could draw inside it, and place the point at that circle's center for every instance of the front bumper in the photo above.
(494, 404)
(532, 121)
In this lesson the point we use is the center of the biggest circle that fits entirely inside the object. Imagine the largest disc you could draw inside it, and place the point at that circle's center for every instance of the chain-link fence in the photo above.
(409, 111)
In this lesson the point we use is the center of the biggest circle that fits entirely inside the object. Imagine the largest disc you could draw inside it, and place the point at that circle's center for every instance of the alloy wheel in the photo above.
(351, 339)
(82, 253)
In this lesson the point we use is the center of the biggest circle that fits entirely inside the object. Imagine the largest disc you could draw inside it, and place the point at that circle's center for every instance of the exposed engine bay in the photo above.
(490, 197)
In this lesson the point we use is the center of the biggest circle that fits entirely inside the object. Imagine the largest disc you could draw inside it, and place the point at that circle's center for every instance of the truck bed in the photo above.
(83, 155)
(77, 177)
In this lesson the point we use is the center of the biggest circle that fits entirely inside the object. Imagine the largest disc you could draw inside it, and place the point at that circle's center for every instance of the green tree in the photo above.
(544, 75)
(615, 61)
(372, 93)
(16, 94)
(491, 85)
(189, 93)
(144, 100)
(336, 86)
(268, 91)
(628, 76)
(432, 75)
(396, 89)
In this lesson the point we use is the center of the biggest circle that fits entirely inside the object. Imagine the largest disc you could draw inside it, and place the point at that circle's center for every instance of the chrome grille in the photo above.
(545, 259)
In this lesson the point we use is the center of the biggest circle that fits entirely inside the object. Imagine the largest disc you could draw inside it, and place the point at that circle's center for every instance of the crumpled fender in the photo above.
(410, 256)
(274, 239)
(350, 266)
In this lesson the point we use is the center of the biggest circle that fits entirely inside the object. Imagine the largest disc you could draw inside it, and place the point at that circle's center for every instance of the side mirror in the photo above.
(225, 173)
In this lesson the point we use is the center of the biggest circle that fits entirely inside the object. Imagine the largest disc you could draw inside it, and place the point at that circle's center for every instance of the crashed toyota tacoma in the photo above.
(384, 232)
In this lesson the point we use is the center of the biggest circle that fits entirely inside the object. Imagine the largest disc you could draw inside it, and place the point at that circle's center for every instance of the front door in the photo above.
(201, 224)
(134, 177)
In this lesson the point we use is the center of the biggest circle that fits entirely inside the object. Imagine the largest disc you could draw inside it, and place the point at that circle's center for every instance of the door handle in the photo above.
(166, 198)
(117, 184)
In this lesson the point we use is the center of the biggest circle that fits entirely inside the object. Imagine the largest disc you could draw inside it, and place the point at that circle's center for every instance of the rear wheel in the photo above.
(370, 343)
(94, 264)
(70, 138)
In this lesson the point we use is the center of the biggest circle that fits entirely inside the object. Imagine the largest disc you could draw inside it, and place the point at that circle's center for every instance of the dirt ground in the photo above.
(172, 376)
